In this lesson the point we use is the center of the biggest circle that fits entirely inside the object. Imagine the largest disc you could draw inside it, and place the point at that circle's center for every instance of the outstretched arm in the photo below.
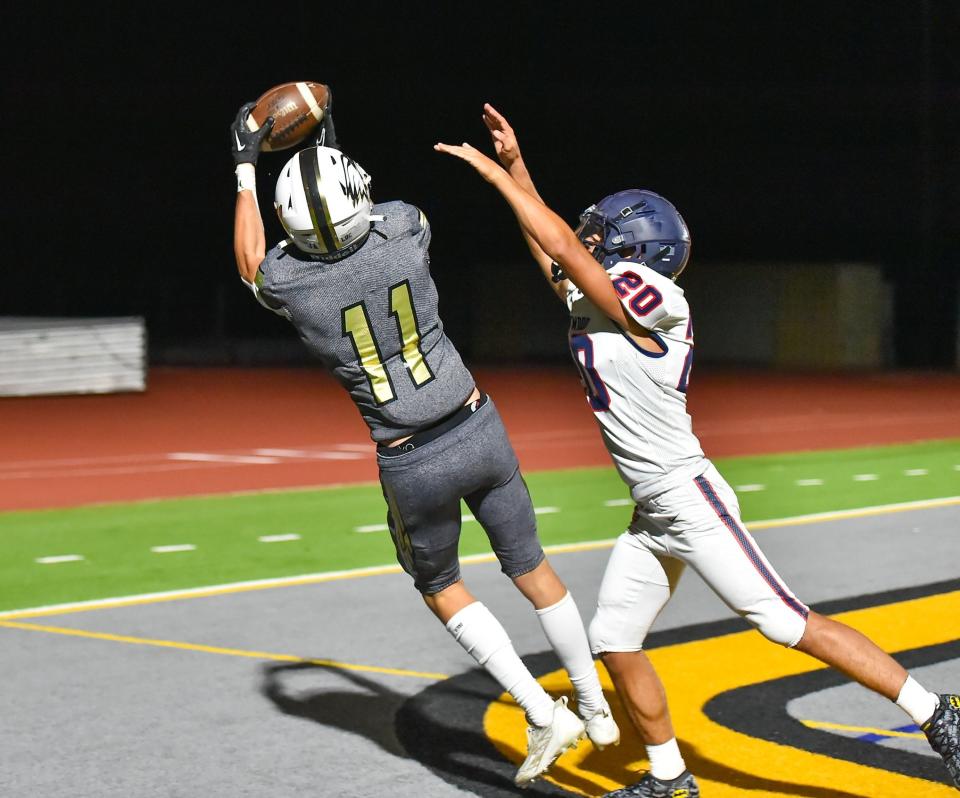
(550, 233)
(508, 151)
(249, 241)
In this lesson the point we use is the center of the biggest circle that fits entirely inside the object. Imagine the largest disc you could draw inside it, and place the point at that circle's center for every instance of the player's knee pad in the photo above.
(778, 622)
(622, 625)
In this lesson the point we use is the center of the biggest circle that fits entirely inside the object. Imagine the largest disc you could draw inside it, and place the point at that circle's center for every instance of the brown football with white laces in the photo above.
(297, 108)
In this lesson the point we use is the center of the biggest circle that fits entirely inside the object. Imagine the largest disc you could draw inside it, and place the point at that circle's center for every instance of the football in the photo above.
(296, 108)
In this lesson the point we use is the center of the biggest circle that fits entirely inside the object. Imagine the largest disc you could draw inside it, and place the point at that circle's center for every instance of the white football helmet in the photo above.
(323, 201)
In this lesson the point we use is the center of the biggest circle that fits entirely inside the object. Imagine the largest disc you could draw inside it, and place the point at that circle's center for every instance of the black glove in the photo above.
(327, 136)
(244, 143)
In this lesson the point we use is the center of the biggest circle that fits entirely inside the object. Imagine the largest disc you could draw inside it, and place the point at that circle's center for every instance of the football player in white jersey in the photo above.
(632, 339)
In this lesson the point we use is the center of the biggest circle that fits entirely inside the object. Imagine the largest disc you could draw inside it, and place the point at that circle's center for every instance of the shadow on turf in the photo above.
(370, 709)
(367, 711)
(441, 727)
(426, 719)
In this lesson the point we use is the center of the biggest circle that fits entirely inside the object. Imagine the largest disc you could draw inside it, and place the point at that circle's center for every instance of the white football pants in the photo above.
(698, 524)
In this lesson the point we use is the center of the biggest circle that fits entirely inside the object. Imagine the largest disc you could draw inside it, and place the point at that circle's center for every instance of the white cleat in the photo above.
(602, 729)
(546, 743)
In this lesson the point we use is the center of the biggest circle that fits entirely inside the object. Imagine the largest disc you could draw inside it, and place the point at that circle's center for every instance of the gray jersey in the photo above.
(372, 319)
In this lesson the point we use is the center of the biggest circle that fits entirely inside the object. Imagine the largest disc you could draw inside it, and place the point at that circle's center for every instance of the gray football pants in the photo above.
(475, 462)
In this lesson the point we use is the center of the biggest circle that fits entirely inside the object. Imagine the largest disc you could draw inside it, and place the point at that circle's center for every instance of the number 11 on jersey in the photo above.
(356, 324)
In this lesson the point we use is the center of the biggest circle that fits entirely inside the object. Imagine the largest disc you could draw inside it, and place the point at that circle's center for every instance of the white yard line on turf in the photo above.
(365, 529)
(356, 573)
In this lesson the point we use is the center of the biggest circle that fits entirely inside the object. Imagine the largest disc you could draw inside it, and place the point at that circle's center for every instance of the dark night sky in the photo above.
(814, 131)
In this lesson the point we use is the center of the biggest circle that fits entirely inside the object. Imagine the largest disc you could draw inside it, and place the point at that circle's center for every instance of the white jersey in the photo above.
(639, 398)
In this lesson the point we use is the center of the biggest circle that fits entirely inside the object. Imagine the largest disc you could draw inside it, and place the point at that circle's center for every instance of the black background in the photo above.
(784, 131)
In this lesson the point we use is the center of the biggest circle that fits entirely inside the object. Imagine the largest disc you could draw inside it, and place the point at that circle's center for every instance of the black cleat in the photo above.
(943, 732)
(683, 786)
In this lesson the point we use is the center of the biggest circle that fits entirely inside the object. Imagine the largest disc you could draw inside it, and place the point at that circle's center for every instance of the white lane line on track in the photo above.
(106, 471)
(118, 465)
(358, 573)
(277, 538)
(153, 457)
(59, 559)
(174, 548)
(865, 477)
(210, 457)
(305, 454)
(80, 461)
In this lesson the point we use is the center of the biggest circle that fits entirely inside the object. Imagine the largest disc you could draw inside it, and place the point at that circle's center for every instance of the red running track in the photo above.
(200, 431)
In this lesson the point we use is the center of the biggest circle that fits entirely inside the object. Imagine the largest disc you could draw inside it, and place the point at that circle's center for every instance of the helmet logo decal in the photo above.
(354, 183)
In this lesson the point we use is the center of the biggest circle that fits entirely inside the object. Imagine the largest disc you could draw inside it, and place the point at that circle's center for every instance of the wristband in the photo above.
(246, 177)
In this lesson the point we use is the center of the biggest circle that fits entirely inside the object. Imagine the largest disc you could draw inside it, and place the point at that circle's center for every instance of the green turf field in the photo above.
(115, 541)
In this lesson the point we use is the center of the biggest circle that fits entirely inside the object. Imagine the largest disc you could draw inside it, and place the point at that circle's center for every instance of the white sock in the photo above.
(665, 760)
(563, 627)
(918, 702)
(483, 638)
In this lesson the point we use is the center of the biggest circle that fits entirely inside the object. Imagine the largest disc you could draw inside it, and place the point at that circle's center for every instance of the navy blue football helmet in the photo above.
(641, 222)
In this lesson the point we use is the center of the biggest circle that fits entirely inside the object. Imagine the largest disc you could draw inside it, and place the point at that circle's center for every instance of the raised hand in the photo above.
(327, 135)
(244, 143)
(504, 139)
(487, 168)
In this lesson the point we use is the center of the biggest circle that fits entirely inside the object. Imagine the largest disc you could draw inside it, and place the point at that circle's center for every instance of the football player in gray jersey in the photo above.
(695, 521)
(354, 280)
